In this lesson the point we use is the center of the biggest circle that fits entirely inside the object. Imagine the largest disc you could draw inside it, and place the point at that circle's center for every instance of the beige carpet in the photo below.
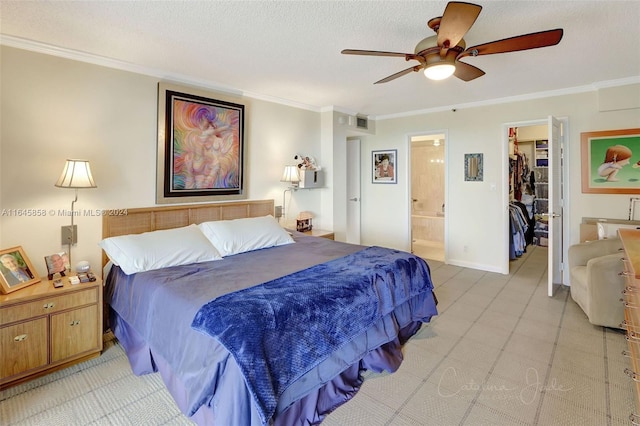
(101, 391)
(501, 352)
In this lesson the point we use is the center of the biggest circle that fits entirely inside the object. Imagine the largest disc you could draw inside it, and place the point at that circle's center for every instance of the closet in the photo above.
(528, 188)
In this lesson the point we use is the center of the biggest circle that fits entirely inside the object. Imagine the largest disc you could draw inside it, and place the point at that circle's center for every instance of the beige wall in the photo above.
(475, 230)
(54, 108)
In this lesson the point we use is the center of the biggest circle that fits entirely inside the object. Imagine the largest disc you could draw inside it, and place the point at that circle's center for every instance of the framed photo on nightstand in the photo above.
(57, 263)
(16, 270)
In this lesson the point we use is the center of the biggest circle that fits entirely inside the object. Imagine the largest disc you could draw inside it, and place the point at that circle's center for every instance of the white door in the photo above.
(555, 254)
(353, 191)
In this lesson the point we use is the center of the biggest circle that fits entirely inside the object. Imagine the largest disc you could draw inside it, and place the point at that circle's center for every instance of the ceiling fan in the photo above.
(440, 55)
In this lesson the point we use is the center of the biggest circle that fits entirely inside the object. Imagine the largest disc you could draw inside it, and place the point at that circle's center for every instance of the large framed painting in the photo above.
(200, 146)
(611, 161)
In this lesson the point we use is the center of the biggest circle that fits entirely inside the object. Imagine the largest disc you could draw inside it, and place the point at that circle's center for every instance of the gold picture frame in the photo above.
(16, 270)
(618, 148)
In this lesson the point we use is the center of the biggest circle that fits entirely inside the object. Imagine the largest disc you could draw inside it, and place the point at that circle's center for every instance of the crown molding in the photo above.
(48, 49)
(90, 58)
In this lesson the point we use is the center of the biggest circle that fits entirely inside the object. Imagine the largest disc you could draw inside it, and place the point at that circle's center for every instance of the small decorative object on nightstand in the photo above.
(303, 222)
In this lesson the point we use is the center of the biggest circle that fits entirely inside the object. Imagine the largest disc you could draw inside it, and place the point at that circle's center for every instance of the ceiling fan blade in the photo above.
(467, 72)
(513, 44)
(373, 53)
(456, 20)
(399, 74)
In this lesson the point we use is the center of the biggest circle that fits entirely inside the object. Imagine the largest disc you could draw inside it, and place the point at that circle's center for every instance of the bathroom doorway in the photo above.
(428, 196)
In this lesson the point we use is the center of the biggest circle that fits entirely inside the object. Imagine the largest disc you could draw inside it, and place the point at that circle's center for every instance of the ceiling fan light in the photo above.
(439, 71)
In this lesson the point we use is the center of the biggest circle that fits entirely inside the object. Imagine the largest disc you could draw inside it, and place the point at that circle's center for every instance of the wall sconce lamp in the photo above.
(76, 174)
(291, 176)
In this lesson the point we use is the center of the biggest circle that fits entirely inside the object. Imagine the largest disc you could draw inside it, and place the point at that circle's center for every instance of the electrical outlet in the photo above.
(68, 234)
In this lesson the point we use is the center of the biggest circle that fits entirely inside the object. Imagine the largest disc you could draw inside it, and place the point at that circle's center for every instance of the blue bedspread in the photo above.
(279, 330)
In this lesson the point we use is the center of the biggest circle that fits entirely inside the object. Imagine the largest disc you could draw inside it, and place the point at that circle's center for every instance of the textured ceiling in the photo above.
(289, 51)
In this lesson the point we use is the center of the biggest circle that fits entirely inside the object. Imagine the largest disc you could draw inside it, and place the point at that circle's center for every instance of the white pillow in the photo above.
(159, 249)
(241, 235)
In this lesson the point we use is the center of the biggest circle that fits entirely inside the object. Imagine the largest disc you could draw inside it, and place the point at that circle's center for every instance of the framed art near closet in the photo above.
(611, 161)
(473, 168)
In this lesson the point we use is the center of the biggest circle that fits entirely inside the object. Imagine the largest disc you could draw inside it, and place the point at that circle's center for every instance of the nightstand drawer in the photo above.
(48, 305)
(24, 347)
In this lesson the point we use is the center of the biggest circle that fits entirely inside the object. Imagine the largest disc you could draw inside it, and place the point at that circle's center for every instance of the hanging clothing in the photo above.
(519, 172)
(519, 228)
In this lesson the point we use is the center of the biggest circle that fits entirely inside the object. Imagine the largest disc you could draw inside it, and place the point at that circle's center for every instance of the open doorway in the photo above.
(542, 143)
(528, 189)
(428, 196)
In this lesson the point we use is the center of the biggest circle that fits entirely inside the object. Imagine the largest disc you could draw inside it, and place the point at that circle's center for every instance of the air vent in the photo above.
(362, 123)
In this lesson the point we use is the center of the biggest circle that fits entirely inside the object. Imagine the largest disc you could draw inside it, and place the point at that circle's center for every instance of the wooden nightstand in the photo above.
(45, 329)
(321, 233)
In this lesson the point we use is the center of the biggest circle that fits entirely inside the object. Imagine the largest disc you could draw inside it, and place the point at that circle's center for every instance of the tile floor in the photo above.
(501, 352)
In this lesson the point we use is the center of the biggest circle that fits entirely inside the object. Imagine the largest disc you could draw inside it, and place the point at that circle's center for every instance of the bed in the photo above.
(276, 328)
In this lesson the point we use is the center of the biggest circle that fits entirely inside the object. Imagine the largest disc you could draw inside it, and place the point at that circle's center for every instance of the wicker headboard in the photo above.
(138, 220)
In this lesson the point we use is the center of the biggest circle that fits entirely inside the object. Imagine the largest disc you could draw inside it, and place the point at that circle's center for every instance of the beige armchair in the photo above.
(596, 283)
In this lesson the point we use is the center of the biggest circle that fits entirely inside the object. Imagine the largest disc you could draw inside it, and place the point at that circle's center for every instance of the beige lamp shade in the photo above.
(76, 174)
(305, 216)
(290, 174)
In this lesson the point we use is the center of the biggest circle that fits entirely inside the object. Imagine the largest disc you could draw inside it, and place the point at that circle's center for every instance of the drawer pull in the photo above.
(632, 329)
(627, 324)
(48, 305)
(628, 290)
(629, 372)
(635, 419)
(20, 338)
(74, 322)
(631, 336)
(630, 306)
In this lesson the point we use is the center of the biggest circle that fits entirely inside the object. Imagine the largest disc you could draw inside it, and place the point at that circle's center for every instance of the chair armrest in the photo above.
(580, 254)
(605, 283)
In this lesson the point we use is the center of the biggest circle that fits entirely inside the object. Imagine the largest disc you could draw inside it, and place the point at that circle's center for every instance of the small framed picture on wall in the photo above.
(473, 168)
(384, 166)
